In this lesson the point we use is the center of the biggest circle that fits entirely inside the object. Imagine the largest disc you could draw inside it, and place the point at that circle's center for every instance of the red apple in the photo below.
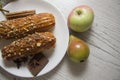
(81, 18)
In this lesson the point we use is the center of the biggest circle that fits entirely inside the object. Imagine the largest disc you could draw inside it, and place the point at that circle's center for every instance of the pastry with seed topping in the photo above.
(21, 27)
(29, 45)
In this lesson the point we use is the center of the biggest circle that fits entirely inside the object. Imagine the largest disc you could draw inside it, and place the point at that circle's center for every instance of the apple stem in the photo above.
(78, 12)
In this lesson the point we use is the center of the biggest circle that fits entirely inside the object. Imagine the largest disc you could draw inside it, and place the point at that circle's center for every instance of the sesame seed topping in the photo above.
(50, 39)
(14, 53)
(19, 53)
(0, 25)
(29, 39)
(9, 55)
(42, 25)
(12, 26)
(34, 26)
(31, 24)
(11, 32)
(8, 35)
(5, 47)
(38, 44)
(32, 46)
(25, 23)
(27, 49)
(9, 50)
(22, 50)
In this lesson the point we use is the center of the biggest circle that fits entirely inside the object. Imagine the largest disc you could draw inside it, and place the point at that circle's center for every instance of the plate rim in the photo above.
(47, 2)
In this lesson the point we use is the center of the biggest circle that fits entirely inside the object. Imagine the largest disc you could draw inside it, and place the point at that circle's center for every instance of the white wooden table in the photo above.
(103, 39)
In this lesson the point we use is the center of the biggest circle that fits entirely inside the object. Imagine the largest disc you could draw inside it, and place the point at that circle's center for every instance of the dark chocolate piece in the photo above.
(37, 63)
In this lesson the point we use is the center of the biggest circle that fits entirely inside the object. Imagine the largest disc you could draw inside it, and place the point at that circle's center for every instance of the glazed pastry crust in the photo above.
(29, 45)
(21, 27)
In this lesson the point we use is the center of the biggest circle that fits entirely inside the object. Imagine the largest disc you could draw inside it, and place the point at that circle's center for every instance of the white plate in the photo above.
(61, 33)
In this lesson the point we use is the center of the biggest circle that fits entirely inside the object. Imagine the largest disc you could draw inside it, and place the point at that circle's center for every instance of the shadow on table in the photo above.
(83, 35)
(77, 69)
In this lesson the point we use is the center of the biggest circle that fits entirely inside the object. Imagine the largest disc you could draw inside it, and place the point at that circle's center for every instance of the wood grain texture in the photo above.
(103, 39)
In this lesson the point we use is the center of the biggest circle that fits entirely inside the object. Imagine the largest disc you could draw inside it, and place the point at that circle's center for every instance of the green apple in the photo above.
(81, 18)
(78, 50)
